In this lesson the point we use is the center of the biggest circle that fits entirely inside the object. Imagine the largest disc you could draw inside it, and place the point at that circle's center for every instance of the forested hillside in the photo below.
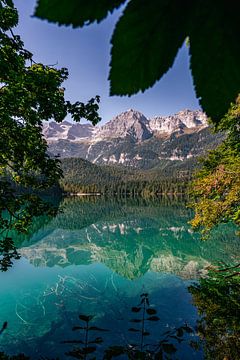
(81, 176)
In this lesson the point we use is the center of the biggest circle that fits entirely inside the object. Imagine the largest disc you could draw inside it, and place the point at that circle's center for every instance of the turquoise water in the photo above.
(96, 258)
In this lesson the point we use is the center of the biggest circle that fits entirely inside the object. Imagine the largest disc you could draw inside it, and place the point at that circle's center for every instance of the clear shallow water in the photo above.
(98, 257)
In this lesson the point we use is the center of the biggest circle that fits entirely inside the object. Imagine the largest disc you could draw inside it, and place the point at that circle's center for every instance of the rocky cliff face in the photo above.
(54, 132)
(129, 124)
(183, 120)
(133, 140)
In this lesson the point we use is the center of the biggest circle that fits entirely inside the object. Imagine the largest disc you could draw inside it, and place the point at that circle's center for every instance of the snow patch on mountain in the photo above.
(130, 124)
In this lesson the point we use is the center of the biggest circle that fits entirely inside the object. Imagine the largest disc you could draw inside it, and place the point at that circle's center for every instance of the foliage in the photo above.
(86, 346)
(148, 36)
(29, 94)
(216, 188)
(82, 176)
(143, 314)
(217, 300)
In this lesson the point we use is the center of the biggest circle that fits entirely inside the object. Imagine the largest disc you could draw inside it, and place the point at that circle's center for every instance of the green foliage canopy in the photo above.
(29, 94)
(149, 34)
(216, 188)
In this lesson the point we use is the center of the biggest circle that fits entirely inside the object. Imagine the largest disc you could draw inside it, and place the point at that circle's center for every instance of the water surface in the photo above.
(96, 258)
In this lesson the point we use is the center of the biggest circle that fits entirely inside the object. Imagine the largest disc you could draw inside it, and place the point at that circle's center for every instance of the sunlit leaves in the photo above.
(8, 17)
(216, 188)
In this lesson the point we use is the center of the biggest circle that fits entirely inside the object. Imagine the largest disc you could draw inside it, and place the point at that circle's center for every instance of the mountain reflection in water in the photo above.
(96, 258)
(129, 237)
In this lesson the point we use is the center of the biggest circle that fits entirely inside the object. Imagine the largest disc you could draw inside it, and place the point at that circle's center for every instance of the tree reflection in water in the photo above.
(217, 298)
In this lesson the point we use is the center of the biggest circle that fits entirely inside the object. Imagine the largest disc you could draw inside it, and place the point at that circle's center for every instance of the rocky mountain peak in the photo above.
(185, 119)
(191, 118)
(130, 123)
(53, 131)
(130, 139)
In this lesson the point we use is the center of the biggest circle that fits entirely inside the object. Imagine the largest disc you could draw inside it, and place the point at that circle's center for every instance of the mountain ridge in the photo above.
(131, 139)
(121, 125)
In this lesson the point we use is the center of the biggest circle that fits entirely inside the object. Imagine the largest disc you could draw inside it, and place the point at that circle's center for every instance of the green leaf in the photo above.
(145, 42)
(75, 12)
(215, 53)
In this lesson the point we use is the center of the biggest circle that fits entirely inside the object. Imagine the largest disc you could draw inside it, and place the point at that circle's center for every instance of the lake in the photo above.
(96, 258)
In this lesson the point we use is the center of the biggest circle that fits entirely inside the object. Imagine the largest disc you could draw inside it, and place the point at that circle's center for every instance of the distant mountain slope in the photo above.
(81, 176)
(132, 140)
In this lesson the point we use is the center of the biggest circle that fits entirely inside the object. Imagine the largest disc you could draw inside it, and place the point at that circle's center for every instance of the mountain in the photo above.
(53, 131)
(132, 140)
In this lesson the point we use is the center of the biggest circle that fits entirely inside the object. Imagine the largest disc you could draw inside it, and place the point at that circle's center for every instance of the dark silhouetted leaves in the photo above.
(75, 12)
(145, 43)
(146, 333)
(72, 342)
(97, 340)
(187, 328)
(136, 309)
(169, 348)
(153, 318)
(78, 353)
(86, 318)
(4, 327)
(151, 311)
(133, 330)
(136, 320)
(114, 351)
(179, 332)
(149, 34)
(215, 51)
(159, 355)
(97, 328)
(89, 349)
(147, 38)
(78, 328)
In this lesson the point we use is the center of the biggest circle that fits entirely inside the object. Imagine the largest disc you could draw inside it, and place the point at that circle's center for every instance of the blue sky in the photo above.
(86, 54)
